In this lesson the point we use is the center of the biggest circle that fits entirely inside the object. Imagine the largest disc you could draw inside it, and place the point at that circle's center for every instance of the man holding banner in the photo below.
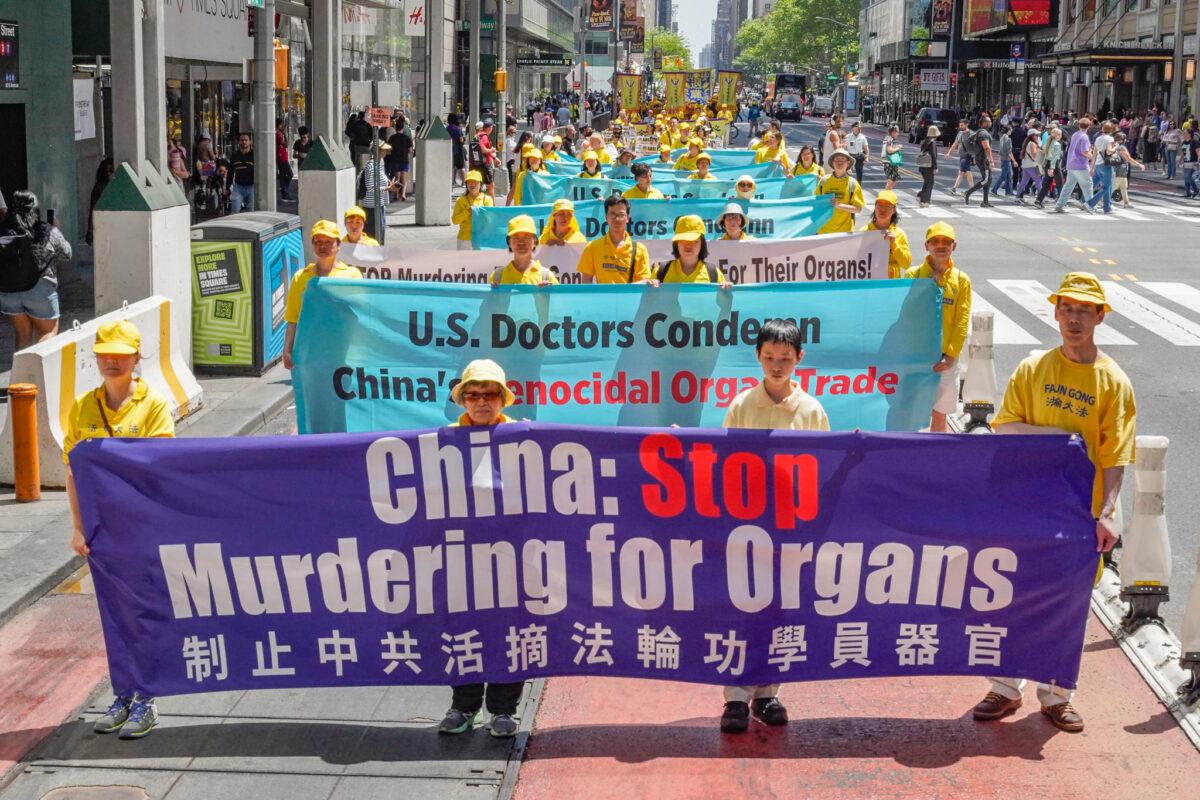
(615, 257)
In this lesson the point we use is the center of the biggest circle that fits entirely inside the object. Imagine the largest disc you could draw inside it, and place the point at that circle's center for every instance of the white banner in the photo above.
(935, 80)
(414, 18)
(85, 114)
(832, 257)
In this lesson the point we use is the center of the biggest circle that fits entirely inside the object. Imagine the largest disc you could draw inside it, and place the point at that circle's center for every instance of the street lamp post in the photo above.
(844, 72)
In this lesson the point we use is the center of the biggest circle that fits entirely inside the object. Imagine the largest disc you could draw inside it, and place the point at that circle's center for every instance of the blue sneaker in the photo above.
(457, 721)
(503, 726)
(115, 717)
(143, 716)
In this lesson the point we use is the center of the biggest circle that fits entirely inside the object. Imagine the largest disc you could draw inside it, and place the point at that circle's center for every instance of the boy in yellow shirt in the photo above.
(940, 243)
(326, 239)
(845, 194)
(1072, 389)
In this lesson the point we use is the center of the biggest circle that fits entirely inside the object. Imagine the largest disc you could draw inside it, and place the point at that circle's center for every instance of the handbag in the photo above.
(924, 159)
(896, 159)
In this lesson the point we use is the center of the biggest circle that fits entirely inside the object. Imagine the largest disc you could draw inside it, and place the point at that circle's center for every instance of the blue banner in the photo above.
(384, 355)
(521, 551)
(791, 218)
(721, 158)
(768, 169)
(538, 189)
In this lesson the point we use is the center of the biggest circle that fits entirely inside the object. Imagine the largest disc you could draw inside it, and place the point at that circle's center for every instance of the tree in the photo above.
(794, 35)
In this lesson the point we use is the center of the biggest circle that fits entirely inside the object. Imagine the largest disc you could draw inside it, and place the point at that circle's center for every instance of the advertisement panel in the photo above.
(1028, 13)
(942, 12)
(600, 15)
(935, 80)
(983, 16)
(222, 303)
(920, 19)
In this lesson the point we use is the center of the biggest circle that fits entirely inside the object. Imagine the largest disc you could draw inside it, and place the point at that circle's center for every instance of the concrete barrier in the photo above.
(64, 367)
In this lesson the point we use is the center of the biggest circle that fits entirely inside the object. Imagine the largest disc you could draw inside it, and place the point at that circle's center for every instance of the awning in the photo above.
(1109, 57)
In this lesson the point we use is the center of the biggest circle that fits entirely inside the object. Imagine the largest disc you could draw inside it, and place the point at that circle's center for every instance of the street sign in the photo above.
(379, 117)
(832, 78)
(545, 61)
(255, 3)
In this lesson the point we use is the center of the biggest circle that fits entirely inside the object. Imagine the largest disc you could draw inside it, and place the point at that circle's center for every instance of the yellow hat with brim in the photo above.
(117, 338)
(940, 228)
(563, 204)
(1084, 287)
(695, 141)
(887, 196)
(689, 228)
(326, 227)
(482, 370)
(704, 157)
(474, 175)
(590, 155)
(355, 211)
(685, 126)
(522, 223)
(529, 151)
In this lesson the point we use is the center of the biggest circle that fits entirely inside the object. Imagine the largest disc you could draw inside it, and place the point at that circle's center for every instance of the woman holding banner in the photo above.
(531, 161)
(463, 205)
(687, 161)
(483, 394)
(522, 269)
(806, 163)
(733, 221)
(122, 406)
(703, 162)
(773, 150)
(562, 227)
(884, 219)
(845, 194)
(690, 249)
(591, 166)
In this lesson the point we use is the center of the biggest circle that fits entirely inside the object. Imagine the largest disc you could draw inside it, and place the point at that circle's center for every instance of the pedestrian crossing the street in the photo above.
(1157, 311)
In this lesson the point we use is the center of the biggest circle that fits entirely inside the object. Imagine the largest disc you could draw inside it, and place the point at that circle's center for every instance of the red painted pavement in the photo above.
(51, 658)
(880, 738)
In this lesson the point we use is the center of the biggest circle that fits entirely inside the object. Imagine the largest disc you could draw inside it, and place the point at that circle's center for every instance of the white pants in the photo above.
(946, 399)
(1048, 694)
(744, 694)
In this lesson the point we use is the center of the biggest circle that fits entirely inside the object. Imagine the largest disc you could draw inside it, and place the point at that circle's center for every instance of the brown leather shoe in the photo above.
(995, 706)
(1065, 717)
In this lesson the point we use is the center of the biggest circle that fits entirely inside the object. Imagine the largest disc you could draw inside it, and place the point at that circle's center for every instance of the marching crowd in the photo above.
(123, 405)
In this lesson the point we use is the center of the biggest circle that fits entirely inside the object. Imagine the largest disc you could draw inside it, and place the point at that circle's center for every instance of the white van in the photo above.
(822, 106)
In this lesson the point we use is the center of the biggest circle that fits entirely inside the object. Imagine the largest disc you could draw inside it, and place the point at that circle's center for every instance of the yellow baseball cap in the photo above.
(696, 141)
(354, 211)
(117, 338)
(704, 157)
(563, 204)
(940, 228)
(685, 126)
(326, 227)
(522, 223)
(1082, 286)
(689, 228)
(474, 175)
(590, 155)
(529, 151)
(887, 196)
(483, 370)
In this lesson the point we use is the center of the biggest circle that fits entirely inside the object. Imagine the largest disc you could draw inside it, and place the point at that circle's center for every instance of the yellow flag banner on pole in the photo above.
(727, 85)
(676, 89)
(629, 89)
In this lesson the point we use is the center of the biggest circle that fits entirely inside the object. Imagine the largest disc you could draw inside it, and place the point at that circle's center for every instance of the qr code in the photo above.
(223, 309)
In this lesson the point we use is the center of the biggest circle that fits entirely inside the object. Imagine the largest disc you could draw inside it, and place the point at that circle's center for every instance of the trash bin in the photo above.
(242, 266)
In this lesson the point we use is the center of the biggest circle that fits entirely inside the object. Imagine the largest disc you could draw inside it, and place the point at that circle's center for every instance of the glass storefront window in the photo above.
(375, 48)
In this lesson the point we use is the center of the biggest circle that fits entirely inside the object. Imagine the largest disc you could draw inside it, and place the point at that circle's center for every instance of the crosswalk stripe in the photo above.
(1029, 213)
(1004, 330)
(1182, 294)
(936, 212)
(1125, 213)
(985, 213)
(1031, 295)
(1162, 321)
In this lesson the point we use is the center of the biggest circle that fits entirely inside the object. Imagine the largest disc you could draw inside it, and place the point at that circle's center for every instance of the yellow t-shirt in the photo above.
(956, 304)
(604, 156)
(812, 169)
(364, 239)
(145, 415)
(754, 408)
(675, 273)
(764, 154)
(597, 176)
(461, 215)
(608, 263)
(464, 421)
(686, 163)
(841, 221)
(295, 296)
(745, 237)
(696, 176)
(509, 275)
(1093, 400)
(519, 182)
(551, 156)
(635, 193)
(900, 254)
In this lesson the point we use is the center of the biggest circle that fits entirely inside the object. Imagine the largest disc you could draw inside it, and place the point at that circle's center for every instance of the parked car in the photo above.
(822, 106)
(790, 108)
(946, 120)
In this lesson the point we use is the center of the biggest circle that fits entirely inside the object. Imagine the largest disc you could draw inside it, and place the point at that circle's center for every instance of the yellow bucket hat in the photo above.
(529, 151)
(117, 338)
(696, 141)
(563, 204)
(689, 228)
(482, 370)
(354, 211)
(326, 227)
(522, 223)
(940, 228)
(1084, 287)
(474, 175)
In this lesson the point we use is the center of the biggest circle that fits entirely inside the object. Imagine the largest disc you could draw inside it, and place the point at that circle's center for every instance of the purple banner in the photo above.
(496, 554)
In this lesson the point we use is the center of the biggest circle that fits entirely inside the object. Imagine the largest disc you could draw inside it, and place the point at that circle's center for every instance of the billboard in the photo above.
(985, 16)
(600, 15)
(942, 12)
(920, 14)
(1028, 13)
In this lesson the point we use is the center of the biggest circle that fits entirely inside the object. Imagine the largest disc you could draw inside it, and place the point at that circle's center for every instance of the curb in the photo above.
(516, 756)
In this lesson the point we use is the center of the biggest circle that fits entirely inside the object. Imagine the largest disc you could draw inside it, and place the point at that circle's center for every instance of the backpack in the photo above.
(476, 155)
(661, 275)
(972, 144)
(19, 271)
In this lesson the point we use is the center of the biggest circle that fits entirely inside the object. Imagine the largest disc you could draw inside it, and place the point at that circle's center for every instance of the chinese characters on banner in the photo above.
(523, 551)
(600, 15)
(699, 85)
(629, 90)
(675, 89)
(727, 87)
